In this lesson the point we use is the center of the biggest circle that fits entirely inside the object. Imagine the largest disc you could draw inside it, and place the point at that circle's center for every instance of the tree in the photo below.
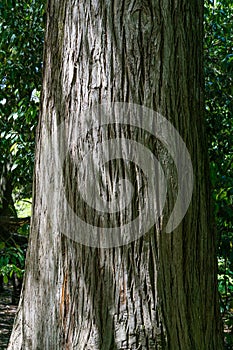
(158, 291)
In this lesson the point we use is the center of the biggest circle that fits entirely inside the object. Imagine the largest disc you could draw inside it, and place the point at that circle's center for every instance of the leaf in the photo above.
(14, 166)
(2, 245)
(5, 279)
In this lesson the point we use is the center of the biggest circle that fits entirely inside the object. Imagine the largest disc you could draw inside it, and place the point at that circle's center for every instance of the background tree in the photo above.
(159, 291)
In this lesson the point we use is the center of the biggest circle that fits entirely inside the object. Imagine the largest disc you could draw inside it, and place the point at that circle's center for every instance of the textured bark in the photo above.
(158, 292)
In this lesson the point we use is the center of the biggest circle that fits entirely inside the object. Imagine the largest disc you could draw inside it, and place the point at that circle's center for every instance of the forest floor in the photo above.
(8, 311)
(7, 314)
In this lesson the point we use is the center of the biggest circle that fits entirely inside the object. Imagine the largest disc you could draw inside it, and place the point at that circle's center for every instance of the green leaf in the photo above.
(2, 245)
(5, 279)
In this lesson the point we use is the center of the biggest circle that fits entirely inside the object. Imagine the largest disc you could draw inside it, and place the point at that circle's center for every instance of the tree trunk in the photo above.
(7, 207)
(159, 290)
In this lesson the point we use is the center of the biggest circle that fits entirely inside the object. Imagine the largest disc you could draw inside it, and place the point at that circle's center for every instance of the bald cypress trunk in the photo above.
(157, 291)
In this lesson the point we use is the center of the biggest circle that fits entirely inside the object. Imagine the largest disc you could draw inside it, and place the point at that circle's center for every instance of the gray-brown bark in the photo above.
(158, 292)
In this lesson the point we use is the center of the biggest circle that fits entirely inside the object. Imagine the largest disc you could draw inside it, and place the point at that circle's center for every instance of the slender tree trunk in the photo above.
(6, 201)
(159, 291)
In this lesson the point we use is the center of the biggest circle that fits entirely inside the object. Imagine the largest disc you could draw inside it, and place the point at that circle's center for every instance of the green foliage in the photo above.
(23, 207)
(24, 230)
(12, 260)
(21, 44)
(219, 112)
(21, 32)
(225, 278)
